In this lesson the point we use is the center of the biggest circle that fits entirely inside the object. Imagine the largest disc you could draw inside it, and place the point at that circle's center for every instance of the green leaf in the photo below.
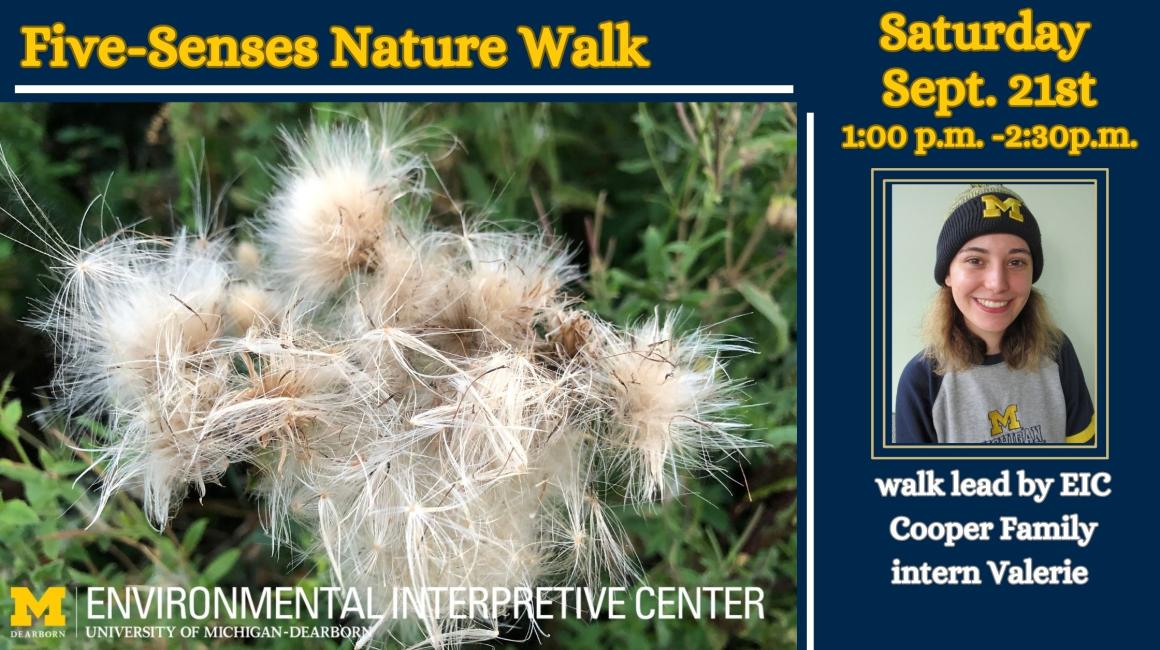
(654, 255)
(786, 484)
(766, 306)
(220, 566)
(690, 251)
(16, 513)
(779, 436)
(9, 418)
(693, 298)
(644, 120)
(51, 546)
(168, 552)
(664, 635)
(638, 166)
(50, 573)
(19, 471)
(478, 189)
(193, 535)
(717, 518)
(568, 197)
(41, 492)
(84, 579)
(64, 467)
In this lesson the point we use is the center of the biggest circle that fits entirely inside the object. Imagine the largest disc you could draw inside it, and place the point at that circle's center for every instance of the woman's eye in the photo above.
(1018, 263)
(973, 261)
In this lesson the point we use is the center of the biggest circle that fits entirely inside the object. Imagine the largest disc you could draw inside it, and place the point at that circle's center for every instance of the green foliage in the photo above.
(687, 207)
(52, 537)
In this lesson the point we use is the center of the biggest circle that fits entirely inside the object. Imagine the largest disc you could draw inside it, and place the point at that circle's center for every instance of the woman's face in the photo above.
(990, 279)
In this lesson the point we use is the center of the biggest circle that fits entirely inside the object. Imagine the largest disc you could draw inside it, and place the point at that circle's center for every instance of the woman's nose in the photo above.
(996, 279)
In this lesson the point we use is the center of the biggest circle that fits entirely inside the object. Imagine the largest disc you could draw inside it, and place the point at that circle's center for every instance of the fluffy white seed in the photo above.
(429, 407)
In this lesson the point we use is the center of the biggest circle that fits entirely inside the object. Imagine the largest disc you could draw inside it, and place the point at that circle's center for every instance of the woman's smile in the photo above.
(993, 306)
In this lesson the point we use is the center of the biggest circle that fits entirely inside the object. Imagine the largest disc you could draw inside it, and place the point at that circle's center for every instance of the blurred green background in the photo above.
(671, 205)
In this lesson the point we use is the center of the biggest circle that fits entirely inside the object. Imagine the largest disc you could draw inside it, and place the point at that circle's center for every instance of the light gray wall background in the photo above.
(1066, 213)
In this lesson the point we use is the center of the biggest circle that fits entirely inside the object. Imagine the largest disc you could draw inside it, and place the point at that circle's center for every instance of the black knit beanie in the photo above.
(986, 210)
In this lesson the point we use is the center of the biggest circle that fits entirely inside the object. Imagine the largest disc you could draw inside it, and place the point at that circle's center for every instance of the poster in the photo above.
(697, 327)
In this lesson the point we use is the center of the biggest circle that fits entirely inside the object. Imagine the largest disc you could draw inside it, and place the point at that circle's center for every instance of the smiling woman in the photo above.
(990, 282)
(994, 368)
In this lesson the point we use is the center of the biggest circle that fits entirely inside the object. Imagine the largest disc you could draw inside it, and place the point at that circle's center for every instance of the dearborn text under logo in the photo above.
(27, 607)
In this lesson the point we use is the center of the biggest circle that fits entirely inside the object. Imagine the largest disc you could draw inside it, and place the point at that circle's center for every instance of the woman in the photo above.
(995, 368)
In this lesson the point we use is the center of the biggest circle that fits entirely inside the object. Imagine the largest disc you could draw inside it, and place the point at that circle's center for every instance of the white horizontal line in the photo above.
(414, 89)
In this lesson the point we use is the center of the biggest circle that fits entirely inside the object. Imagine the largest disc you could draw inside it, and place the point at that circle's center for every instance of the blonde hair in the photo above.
(951, 345)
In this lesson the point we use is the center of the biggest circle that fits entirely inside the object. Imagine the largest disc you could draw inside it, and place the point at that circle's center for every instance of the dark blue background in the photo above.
(831, 55)
(853, 547)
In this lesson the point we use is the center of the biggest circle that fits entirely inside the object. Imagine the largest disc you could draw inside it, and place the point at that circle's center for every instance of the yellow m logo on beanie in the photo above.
(993, 206)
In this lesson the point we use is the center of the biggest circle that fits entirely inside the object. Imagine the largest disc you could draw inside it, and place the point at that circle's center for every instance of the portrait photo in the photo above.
(993, 312)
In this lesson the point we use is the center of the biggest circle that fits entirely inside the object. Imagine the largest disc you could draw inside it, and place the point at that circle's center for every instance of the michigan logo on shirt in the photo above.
(1006, 427)
(1008, 420)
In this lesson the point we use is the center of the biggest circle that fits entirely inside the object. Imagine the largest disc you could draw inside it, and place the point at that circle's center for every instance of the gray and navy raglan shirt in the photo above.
(993, 403)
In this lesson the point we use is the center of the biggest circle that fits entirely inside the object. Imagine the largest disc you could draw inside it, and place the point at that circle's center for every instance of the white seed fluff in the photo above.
(430, 407)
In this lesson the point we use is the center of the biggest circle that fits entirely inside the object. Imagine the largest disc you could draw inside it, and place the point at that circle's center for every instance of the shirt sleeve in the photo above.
(1081, 422)
(913, 418)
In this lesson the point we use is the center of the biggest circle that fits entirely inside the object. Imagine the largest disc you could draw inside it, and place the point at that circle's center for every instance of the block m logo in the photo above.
(27, 606)
(1008, 420)
(994, 207)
